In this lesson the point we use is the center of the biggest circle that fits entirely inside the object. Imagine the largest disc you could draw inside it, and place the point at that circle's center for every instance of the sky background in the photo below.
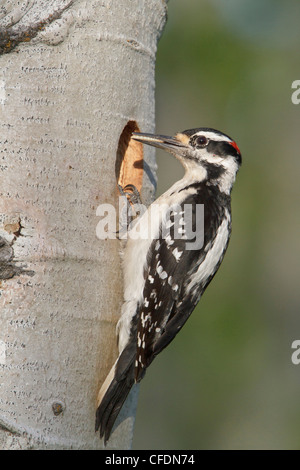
(227, 381)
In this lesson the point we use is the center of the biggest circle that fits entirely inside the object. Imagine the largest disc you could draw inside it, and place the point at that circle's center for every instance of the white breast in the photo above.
(135, 255)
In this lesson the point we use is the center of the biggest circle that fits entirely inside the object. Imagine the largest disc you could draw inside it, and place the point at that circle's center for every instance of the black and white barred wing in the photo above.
(164, 310)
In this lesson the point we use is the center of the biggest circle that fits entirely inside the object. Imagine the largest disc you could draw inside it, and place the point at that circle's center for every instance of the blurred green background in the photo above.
(227, 381)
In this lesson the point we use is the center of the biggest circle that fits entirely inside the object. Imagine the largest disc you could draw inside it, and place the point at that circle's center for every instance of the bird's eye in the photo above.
(202, 141)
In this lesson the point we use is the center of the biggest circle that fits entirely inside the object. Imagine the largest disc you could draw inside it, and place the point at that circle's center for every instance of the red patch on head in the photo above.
(235, 146)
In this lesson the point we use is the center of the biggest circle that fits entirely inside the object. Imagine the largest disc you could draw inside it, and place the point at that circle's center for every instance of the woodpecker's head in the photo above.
(206, 154)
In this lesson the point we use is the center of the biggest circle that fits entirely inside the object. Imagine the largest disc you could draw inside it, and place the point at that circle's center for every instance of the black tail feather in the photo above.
(113, 401)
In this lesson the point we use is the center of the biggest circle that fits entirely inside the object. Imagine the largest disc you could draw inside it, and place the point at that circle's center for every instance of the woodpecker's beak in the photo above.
(170, 144)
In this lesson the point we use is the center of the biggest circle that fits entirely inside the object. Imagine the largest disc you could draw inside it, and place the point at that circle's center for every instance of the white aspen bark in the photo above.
(72, 74)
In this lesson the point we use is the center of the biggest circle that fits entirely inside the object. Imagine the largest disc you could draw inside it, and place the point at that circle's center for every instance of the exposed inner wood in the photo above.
(129, 161)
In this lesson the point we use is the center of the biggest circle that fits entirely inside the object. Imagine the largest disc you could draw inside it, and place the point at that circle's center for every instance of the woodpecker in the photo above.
(163, 280)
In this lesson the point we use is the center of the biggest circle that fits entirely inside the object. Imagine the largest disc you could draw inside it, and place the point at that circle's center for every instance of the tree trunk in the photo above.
(72, 75)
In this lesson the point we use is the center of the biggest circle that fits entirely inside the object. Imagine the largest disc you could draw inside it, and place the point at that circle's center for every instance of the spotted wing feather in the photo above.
(166, 307)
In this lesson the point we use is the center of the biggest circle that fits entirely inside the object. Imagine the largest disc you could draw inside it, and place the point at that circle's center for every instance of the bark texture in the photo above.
(72, 74)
